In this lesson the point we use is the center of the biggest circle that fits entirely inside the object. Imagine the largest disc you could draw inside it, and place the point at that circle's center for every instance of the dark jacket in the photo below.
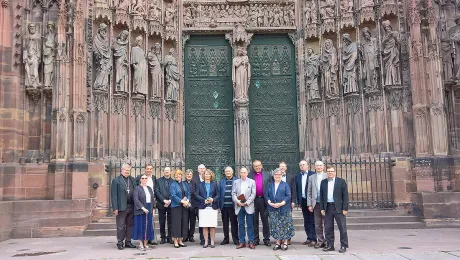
(201, 195)
(340, 194)
(138, 182)
(283, 193)
(140, 199)
(195, 184)
(176, 193)
(298, 185)
(222, 186)
(118, 192)
(190, 188)
(162, 191)
(290, 181)
(266, 176)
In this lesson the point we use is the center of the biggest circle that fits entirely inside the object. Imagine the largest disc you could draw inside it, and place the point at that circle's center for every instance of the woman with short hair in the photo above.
(143, 216)
(180, 201)
(208, 202)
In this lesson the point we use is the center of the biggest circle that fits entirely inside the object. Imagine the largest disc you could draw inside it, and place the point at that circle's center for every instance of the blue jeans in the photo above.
(242, 231)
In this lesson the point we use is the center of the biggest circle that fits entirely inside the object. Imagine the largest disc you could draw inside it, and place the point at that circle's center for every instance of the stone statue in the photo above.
(120, 52)
(140, 80)
(349, 58)
(172, 76)
(139, 7)
(102, 58)
(390, 55)
(329, 68)
(446, 50)
(312, 72)
(369, 56)
(31, 56)
(154, 57)
(169, 15)
(241, 74)
(454, 33)
(327, 9)
(49, 54)
(154, 11)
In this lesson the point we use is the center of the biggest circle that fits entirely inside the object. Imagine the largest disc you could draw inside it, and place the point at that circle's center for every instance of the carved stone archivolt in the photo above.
(269, 14)
(327, 12)
(346, 13)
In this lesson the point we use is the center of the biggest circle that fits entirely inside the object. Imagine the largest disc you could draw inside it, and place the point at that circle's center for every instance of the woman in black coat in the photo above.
(143, 216)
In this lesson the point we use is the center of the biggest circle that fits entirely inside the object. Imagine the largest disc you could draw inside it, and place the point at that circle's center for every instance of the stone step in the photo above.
(297, 227)
(109, 223)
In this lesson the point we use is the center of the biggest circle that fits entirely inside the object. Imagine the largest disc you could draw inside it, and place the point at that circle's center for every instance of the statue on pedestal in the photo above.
(172, 76)
(49, 54)
(102, 58)
(120, 52)
(32, 55)
(329, 69)
(312, 72)
(390, 55)
(154, 57)
(241, 74)
(369, 56)
(349, 57)
(454, 33)
(140, 80)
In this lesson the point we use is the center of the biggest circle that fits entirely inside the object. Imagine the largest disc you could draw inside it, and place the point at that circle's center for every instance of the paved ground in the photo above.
(426, 244)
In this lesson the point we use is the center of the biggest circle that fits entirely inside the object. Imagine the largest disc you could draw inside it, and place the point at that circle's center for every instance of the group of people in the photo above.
(243, 202)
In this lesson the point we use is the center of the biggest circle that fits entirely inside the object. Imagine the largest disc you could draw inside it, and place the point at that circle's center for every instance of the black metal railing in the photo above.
(369, 178)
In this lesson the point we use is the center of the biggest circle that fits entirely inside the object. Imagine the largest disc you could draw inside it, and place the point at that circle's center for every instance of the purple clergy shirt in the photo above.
(258, 178)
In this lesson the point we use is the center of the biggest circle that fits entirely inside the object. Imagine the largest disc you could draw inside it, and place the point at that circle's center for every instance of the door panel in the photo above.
(273, 101)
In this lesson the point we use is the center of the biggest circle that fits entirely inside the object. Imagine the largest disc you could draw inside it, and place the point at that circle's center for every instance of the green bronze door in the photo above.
(273, 101)
(208, 103)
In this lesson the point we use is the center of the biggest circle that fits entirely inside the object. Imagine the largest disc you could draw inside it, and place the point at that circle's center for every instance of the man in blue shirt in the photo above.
(301, 181)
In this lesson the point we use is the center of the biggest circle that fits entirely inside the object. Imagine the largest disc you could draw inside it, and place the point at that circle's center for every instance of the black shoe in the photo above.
(120, 246)
(201, 242)
(267, 243)
(151, 242)
(256, 242)
(129, 245)
(191, 239)
(169, 241)
(184, 239)
(328, 249)
(235, 242)
(162, 241)
(225, 242)
(342, 249)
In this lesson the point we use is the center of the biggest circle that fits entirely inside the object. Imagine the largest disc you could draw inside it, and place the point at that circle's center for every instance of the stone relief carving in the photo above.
(389, 7)
(156, 71)
(454, 33)
(102, 58)
(253, 15)
(366, 12)
(154, 16)
(120, 52)
(121, 11)
(329, 69)
(49, 54)
(312, 63)
(119, 104)
(138, 7)
(327, 12)
(32, 55)
(137, 107)
(101, 8)
(139, 63)
(446, 50)
(369, 56)
(346, 13)
(170, 17)
(241, 74)
(390, 55)
(172, 76)
(310, 18)
(349, 58)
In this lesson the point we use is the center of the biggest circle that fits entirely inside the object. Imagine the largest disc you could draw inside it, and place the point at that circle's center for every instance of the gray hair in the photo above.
(318, 163)
(276, 171)
(125, 164)
(244, 168)
(201, 166)
(188, 170)
(228, 167)
(167, 169)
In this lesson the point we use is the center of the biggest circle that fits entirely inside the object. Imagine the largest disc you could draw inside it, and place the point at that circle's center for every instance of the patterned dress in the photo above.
(281, 226)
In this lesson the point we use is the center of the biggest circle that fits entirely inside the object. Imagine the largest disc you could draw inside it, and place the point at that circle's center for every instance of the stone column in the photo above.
(242, 137)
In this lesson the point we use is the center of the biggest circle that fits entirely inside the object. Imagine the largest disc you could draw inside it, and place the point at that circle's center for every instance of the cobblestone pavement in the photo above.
(424, 244)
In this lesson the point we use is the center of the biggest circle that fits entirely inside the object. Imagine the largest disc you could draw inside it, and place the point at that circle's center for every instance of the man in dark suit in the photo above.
(163, 197)
(290, 180)
(262, 179)
(301, 182)
(227, 206)
(150, 183)
(122, 190)
(334, 205)
(192, 210)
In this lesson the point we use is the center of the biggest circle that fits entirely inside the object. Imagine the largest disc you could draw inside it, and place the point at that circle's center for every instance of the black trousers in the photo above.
(228, 215)
(260, 208)
(125, 223)
(179, 221)
(163, 215)
(331, 214)
(192, 214)
(308, 221)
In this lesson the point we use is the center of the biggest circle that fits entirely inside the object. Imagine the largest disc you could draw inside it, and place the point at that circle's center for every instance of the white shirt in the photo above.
(150, 182)
(304, 183)
(276, 187)
(283, 178)
(147, 195)
(201, 178)
(319, 179)
(330, 190)
(244, 186)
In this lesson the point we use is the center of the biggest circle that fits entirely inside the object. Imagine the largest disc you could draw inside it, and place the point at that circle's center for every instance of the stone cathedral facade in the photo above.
(224, 82)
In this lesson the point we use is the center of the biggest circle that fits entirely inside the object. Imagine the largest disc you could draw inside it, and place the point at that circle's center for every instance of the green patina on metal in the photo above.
(208, 99)
(273, 101)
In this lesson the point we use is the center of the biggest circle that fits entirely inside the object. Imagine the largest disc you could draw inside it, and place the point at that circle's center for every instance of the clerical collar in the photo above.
(169, 177)
(124, 177)
(259, 172)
